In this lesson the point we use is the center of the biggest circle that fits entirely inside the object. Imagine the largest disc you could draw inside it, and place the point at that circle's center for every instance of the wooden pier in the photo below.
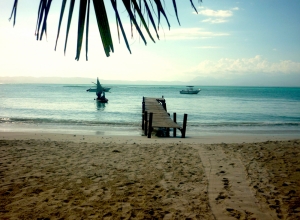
(155, 115)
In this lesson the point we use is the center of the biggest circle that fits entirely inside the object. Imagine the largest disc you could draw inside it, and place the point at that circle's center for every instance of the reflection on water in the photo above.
(100, 106)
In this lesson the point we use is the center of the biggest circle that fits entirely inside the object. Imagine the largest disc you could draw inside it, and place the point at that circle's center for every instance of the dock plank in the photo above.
(160, 116)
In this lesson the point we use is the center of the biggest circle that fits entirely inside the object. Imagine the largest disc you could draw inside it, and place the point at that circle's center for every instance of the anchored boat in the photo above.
(100, 92)
(106, 89)
(190, 90)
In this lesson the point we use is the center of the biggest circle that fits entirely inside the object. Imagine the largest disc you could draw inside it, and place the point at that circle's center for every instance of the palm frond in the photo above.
(87, 30)
(63, 5)
(72, 3)
(114, 4)
(175, 9)
(134, 9)
(133, 20)
(81, 21)
(103, 26)
(14, 12)
(43, 11)
(151, 17)
(194, 5)
(160, 9)
(137, 8)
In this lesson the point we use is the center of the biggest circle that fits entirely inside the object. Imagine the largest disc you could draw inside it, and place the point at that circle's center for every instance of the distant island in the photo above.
(81, 80)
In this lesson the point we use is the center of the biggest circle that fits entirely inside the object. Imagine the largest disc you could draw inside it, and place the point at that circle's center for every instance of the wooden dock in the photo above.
(155, 115)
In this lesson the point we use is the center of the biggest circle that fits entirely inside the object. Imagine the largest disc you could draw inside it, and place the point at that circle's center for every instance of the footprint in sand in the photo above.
(221, 197)
(226, 183)
(240, 215)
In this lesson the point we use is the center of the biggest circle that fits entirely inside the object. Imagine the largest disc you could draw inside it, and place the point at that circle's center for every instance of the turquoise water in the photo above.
(215, 110)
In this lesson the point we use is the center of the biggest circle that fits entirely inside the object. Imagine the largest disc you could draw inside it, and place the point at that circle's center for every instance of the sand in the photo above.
(59, 176)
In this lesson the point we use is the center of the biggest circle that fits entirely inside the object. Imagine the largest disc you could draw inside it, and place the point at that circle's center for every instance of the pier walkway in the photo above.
(155, 115)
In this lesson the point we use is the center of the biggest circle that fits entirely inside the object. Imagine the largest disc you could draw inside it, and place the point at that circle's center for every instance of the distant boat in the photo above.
(190, 90)
(100, 92)
(105, 89)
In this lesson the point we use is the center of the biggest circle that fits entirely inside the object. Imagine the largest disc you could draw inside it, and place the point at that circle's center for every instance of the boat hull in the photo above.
(189, 92)
(102, 100)
(95, 90)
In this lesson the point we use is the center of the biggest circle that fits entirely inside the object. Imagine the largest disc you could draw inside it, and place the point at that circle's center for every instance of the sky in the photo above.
(228, 42)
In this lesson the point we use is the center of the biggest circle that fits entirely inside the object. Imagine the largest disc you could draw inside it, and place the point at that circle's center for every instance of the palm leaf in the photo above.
(102, 20)
(151, 18)
(41, 10)
(160, 9)
(63, 5)
(137, 8)
(81, 20)
(103, 26)
(175, 9)
(44, 27)
(14, 12)
(114, 4)
(132, 18)
(87, 30)
(69, 23)
(194, 5)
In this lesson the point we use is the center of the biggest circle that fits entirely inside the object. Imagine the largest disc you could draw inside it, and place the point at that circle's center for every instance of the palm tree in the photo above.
(133, 7)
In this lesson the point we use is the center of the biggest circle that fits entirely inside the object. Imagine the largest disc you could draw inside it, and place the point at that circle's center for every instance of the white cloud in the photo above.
(217, 16)
(217, 13)
(246, 66)
(191, 33)
(214, 21)
(208, 47)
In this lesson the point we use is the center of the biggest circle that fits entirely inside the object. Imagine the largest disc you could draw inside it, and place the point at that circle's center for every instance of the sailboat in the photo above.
(106, 89)
(100, 92)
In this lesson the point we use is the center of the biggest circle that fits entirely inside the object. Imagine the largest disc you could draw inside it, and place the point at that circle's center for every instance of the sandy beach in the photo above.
(61, 176)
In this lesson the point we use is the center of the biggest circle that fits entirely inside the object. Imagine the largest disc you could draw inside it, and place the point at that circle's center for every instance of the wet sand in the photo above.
(58, 176)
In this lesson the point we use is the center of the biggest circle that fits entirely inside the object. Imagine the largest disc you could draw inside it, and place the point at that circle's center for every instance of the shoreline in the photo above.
(205, 139)
(53, 176)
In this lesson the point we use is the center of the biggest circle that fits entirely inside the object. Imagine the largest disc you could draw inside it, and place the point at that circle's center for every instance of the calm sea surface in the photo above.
(215, 110)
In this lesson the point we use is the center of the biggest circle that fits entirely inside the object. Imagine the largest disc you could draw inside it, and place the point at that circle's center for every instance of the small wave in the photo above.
(65, 122)
(244, 124)
(70, 122)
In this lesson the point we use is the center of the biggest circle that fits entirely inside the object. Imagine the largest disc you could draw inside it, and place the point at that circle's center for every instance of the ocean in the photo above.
(70, 109)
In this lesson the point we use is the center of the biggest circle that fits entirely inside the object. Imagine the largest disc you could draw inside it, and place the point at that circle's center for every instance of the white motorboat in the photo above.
(190, 90)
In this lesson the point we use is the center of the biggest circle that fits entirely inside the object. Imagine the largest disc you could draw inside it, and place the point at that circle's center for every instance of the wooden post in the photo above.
(143, 118)
(168, 129)
(145, 122)
(174, 129)
(164, 105)
(150, 125)
(143, 113)
(184, 125)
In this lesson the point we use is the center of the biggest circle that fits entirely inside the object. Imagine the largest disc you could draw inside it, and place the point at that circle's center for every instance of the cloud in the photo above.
(214, 21)
(217, 16)
(191, 33)
(246, 66)
(208, 47)
(218, 13)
